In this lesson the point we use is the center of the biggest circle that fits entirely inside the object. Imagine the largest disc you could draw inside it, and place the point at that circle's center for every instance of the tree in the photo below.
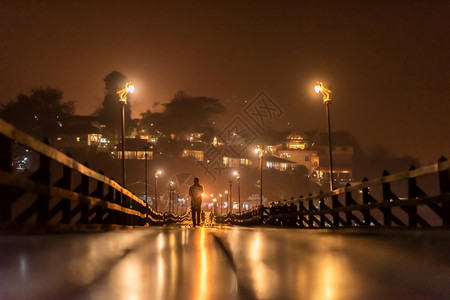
(185, 114)
(111, 112)
(41, 114)
(372, 162)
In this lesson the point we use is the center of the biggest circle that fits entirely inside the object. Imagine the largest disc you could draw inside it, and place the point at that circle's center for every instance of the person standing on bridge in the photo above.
(196, 191)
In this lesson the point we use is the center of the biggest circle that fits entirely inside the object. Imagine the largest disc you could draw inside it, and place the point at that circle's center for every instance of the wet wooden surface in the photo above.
(227, 263)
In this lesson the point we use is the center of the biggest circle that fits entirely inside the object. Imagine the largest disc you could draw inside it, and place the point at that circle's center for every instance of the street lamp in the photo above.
(146, 178)
(129, 88)
(228, 207)
(171, 196)
(157, 173)
(236, 173)
(326, 96)
(220, 195)
(231, 207)
(214, 210)
(260, 152)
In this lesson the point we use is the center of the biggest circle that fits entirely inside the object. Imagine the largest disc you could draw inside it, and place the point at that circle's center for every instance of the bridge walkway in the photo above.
(180, 262)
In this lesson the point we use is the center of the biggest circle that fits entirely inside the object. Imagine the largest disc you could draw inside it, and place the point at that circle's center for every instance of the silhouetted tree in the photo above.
(372, 162)
(185, 114)
(111, 112)
(41, 114)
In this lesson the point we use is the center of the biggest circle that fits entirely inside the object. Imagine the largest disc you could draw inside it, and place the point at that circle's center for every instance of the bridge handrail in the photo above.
(13, 133)
(430, 169)
(325, 209)
(108, 204)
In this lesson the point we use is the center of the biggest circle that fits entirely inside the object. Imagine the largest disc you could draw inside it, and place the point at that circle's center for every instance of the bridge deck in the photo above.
(227, 263)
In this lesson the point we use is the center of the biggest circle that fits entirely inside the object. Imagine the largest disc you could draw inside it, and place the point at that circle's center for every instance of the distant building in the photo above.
(195, 150)
(134, 149)
(278, 163)
(78, 132)
(297, 148)
(310, 149)
(342, 154)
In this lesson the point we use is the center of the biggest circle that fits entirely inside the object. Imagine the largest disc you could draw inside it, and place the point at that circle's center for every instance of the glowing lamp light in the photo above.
(318, 89)
(130, 88)
(326, 93)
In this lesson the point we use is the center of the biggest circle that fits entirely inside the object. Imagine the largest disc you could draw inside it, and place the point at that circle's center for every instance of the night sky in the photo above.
(387, 62)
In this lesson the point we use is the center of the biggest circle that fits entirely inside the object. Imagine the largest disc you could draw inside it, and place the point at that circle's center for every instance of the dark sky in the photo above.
(387, 62)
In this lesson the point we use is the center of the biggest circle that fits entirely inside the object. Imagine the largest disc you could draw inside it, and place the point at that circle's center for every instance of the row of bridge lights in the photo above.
(319, 88)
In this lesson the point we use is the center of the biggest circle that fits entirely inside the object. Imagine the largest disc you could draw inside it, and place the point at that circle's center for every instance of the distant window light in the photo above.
(78, 138)
(58, 138)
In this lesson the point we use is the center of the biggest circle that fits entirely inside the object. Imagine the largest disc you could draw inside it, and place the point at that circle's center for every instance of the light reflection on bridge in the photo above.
(227, 263)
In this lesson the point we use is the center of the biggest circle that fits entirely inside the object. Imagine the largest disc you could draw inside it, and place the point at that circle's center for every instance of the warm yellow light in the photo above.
(318, 89)
(130, 88)
(326, 93)
(220, 195)
(258, 150)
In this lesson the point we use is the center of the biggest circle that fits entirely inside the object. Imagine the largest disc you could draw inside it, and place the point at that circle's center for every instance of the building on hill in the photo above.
(134, 149)
(297, 148)
(342, 154)
(79, 132)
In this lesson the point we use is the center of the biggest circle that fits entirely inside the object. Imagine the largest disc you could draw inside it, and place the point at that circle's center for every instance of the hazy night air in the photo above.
(387, 63)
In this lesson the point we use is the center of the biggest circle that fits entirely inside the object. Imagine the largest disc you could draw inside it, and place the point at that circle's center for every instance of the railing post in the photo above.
(83, 189)
(98, 193)
(301, 209)
(335, 204)
(311, 210)
(43, 176)
(66, 183)
(348, 201)
(444, 187)
(6, 191)
(413, 192)
(322, 207)
(387, 197)
(366, 200)
(110, 218)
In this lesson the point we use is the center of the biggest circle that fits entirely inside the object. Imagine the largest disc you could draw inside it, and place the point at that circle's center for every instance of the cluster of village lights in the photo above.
(319, 88)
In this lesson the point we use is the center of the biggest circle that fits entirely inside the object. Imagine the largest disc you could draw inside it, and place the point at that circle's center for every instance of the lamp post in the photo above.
(157, 173)
(171, 196)
(326, 96)
(146, 176)
(236, 173)
(129, 88)
(213, 210)
(260, 153)
(220, 195)
(228, 208)
(231, 207)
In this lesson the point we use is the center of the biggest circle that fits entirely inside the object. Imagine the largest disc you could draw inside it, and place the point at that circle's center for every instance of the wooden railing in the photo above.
(370, 203)
(63, 194)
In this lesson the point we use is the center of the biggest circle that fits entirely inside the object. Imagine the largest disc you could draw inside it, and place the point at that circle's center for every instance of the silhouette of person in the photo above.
(195, 191)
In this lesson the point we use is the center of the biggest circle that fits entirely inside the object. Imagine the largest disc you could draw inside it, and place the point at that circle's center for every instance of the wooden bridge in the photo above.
(381, 239)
